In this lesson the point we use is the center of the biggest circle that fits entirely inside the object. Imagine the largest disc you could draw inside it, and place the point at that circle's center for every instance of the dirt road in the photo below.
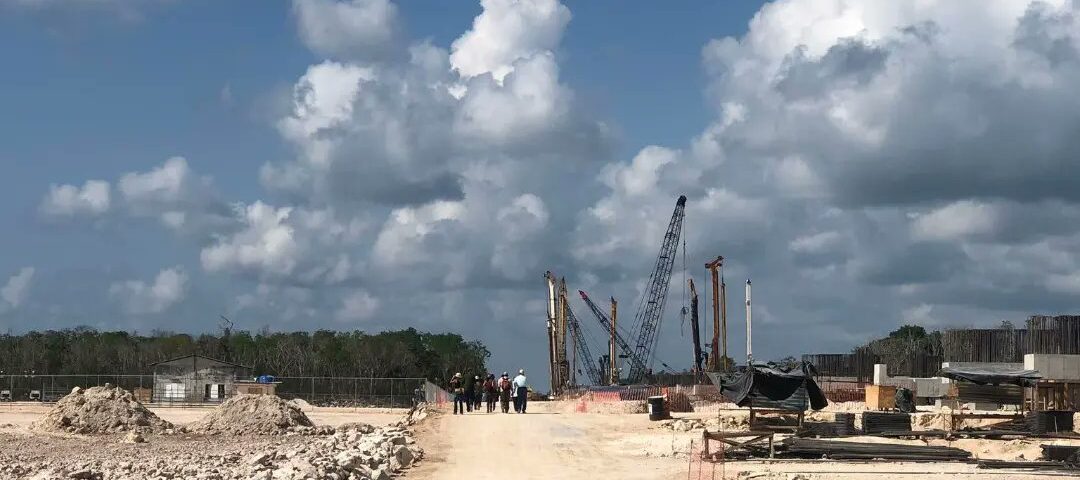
(553, 442)
(542, 444)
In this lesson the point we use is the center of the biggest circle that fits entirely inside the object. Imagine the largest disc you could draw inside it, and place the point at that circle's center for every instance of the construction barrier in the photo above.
(843, 391)
(436, 395)
(679, 398)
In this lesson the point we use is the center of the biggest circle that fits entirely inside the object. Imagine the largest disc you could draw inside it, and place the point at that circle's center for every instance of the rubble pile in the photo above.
(348, 454)
(354, 451)
(106, 409)
(415, 415)
(255, 415)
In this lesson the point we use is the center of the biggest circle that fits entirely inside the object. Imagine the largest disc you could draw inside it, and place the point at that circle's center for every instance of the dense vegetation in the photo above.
(403, 353)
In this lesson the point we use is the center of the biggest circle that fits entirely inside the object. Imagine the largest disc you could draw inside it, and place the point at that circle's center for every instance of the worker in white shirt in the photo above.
(522, 390)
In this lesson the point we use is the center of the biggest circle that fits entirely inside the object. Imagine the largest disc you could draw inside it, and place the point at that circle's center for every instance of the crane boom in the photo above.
(606, 323)
(591, 369)
(650, 311)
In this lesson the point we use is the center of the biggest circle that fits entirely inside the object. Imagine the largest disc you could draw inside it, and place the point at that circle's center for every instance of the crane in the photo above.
(606, 323)
(650, 311)
(591, 369)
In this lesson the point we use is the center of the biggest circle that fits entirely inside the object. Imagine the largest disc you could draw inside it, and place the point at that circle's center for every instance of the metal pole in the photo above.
(552, 312)
(612, 353)
(716, 359)
(723, 323)
(749, 338)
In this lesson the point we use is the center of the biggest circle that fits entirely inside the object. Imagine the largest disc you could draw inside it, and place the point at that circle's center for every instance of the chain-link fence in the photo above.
(49, 388)
(353, 391)
(317, 391)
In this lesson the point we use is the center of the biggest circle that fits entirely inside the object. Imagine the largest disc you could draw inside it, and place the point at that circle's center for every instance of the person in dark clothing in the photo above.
(477, 392)
(504, 392)
(490, 392)
(470, 393)
(459, 394)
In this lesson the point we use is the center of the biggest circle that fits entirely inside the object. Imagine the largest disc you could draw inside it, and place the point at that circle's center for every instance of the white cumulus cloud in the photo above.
(361, 29)
(508, 31)
(92, 199)
(17, 287)
(357, 305)
(138, 297)
(266, 244)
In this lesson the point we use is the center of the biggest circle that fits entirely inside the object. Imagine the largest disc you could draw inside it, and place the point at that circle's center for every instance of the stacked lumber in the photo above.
(841, 450)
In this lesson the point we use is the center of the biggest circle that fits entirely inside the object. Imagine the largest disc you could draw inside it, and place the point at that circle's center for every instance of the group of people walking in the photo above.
(469, 394)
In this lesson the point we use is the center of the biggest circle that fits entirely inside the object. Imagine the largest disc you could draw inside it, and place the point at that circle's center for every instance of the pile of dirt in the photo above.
(254, 415)
(104, 409)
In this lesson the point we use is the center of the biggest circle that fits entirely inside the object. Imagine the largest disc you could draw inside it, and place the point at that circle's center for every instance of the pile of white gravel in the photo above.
(106, 409)
(353, 451)
(254, 415)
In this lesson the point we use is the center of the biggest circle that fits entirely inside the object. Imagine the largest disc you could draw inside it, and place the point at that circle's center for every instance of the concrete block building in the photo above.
(196, 379)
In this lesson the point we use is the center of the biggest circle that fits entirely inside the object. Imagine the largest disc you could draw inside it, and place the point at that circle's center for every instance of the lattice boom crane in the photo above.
(591, 369)
(650, 311)
(606, 323)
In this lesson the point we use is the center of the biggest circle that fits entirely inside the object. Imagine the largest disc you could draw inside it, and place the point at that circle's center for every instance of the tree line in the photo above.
(401, 353)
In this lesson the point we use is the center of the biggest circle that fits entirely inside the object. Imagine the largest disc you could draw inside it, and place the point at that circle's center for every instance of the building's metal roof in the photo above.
(197, 361)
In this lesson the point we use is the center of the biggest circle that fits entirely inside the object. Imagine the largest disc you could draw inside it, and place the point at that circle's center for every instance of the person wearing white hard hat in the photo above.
(459, 394)
(522, 391)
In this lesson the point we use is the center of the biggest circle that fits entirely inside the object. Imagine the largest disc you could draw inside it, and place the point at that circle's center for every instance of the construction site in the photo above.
(492, 240)
(985, 403)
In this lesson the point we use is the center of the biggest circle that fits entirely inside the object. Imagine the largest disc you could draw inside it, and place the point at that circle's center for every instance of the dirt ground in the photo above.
(555, 441)
(24, 446)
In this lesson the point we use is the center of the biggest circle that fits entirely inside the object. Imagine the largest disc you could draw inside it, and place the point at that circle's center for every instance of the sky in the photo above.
(374, 165)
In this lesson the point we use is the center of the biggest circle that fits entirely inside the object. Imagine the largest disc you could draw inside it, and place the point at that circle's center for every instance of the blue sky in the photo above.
(369, 164)
(106, 94)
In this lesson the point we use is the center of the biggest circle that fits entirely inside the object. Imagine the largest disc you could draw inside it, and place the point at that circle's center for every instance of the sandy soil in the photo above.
(23, 414)
(556, 441)
(545, 443)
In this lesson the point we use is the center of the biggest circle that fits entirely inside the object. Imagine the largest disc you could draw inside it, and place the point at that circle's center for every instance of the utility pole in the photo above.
(718, 355)
(614, 356)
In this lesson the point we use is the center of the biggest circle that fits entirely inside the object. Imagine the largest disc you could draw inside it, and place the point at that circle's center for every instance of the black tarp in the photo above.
(1023, 378)
(905, 400)
(773, 383)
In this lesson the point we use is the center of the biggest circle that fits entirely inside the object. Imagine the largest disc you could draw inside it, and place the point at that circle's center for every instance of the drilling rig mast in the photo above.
(695, 329)
(718, 357)
(558, 364)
